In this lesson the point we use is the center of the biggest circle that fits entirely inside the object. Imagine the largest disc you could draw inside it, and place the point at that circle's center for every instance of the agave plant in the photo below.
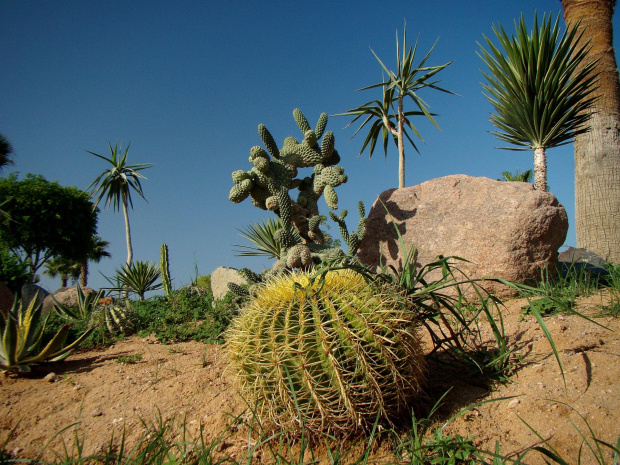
(21, 343)
(86, 305)
(138, 277)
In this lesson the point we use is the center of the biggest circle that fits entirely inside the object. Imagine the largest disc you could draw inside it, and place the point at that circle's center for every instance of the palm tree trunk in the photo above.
(540, 169)
(127, 233)
(597, 153)
(401, 145)
(84, 273)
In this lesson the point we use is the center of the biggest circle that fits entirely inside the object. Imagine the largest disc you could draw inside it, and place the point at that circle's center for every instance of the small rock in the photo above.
(50, 377)
(97, 413)
(513, 403)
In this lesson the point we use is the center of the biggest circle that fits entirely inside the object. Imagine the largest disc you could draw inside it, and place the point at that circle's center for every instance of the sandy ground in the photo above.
(96, 396)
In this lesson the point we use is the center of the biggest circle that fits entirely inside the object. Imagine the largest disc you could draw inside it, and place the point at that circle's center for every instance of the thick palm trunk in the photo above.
(540, 169)
(127, 234)
(597, 153)
(401, 145)
(84, 274)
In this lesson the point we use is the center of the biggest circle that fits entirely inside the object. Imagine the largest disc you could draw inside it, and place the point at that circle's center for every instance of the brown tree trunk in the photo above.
(597, 153)
(84, 274)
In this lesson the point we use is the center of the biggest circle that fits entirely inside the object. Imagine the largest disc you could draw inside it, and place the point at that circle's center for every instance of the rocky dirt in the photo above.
(96, 394)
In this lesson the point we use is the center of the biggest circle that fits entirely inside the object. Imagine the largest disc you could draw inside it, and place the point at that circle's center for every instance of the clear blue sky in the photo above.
(188, 82)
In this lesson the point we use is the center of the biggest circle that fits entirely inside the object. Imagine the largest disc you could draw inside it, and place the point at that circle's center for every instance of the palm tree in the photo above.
(525, 176)
(388, 121)
(537, 89)
(597, 153)
(6, 152)
(116, 185)
(97, 252)
(59, 266)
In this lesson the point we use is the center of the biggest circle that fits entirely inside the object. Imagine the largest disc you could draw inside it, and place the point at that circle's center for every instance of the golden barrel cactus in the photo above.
(330, 355)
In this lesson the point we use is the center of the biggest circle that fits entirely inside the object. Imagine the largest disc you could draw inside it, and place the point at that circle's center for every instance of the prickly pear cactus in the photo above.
(274, 175)
(338, 351)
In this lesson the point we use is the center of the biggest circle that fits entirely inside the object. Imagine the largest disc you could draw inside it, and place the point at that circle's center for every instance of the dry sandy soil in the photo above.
(98, 396)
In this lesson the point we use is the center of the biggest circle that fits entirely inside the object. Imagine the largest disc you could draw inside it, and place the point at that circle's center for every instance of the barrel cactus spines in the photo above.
(338, 351)
(165, 270)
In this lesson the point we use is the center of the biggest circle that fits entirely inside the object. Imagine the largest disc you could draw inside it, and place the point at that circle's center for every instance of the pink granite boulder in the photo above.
(505, 229)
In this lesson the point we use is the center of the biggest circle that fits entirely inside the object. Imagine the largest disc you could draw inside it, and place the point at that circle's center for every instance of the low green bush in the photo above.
(188, 313)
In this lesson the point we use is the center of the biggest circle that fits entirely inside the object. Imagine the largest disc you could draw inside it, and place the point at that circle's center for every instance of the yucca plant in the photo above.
(22, 338)
(138, 277)
(331, 352)
(262, 235)
(538, 88)
(388, 117)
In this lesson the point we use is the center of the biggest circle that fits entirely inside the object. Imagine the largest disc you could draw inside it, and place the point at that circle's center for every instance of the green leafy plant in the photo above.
(525, 176)
(22, 342)
(539, 87)
(189, 313)
(407, 81)
(139, 278)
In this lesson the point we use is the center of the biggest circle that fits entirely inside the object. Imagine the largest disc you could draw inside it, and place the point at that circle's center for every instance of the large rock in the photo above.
(221, 277)
(505, 229)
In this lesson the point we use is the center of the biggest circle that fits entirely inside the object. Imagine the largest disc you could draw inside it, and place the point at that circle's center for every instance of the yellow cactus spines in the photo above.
(339, 351)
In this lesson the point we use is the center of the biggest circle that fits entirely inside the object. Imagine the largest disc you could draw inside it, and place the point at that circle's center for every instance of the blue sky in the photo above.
(187, 83)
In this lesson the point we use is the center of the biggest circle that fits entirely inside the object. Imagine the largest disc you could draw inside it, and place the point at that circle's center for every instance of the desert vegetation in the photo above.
(337, 362)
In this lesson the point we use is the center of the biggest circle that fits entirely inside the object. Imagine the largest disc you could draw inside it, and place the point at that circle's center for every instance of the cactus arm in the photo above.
(165, 270)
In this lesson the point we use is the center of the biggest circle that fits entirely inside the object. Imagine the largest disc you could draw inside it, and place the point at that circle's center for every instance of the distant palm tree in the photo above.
(392, 122)
(538, 89)
(525, 176)
(95, 255)
(59, 266)
(116, 185)
(6, 152)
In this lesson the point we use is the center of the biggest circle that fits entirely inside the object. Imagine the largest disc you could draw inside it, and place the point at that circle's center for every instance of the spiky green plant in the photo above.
(331, 353)
(262, 235)
(22, 344)
(538, 89)
(86, 305)
(388, 117)
(165, 270)
(138, 277)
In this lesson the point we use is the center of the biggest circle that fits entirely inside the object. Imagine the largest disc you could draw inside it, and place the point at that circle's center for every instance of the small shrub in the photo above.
(129, 359)
(187, 314)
